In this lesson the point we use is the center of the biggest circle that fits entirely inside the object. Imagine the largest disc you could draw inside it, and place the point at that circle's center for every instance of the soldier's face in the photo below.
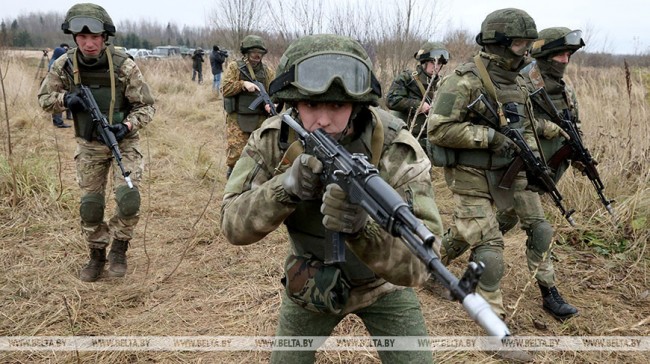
(329, 116)
(255, 56)
(431, 67)
(90, 45)
(562, 57)
(520, 46)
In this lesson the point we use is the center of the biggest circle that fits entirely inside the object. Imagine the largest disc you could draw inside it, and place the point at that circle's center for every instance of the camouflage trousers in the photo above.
(395, 314)
(236, 139)
(93, 162)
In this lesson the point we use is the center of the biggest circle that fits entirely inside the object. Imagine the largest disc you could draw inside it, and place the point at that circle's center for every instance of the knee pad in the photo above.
(539, 237)
(128, 201)
(507, 219)
(91, 208)
(492, 257)
(452, 248)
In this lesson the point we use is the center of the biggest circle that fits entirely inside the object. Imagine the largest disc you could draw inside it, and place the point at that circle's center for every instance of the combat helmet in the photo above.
(504, 25)
(252, 41)
(554, 40)
(431, 51)
(325, 68)
(92, 17)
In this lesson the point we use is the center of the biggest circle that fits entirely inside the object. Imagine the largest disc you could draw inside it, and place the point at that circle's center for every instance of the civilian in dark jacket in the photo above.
(217, 58)
(197, 64)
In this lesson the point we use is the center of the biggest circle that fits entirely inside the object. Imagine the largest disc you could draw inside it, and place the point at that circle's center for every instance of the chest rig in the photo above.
(248, 119)
(107, 89)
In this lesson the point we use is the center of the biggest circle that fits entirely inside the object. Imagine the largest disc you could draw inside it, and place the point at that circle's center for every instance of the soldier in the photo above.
(239, 91)
(328, 82)
(406, 94)
(552, 53)
(123, 96)
(475, 156)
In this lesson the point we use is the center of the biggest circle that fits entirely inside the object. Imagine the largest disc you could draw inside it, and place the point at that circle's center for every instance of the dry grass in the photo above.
(185, 279)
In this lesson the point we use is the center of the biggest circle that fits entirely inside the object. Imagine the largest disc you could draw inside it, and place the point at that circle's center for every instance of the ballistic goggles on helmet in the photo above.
(438, 54)
(572, 39)
(76, 25)
(315, 73)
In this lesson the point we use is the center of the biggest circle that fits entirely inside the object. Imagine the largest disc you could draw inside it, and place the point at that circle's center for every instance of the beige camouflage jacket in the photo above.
(255, 203)
(57, 83)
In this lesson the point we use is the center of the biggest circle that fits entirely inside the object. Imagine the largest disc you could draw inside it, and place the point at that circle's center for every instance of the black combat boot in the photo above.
(555, 304)
(95, 266)
(117, 258)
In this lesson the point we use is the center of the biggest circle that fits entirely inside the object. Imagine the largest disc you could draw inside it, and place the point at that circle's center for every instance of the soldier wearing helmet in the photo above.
(239, 92)
(406, 96)
(328, 82)
(125, 99)
(476, 155)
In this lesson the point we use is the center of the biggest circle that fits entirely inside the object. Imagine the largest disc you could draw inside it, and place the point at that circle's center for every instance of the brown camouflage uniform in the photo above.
(232, 86)
(93, 159)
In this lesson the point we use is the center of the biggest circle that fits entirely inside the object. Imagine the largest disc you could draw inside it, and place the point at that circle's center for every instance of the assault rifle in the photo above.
(537, 171)
(263, 97)
(103, 128)
(361, 181)
(573, 147)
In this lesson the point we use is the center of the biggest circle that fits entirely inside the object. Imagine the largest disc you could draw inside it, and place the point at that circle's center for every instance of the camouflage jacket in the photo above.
(232, 82)
(136, 91)
(404, 97)
(255, 202)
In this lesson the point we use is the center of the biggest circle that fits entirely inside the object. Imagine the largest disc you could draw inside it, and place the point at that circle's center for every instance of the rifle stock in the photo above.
(363, 185)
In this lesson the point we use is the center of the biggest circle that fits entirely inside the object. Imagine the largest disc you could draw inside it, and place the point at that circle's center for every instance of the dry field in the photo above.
(185, 279)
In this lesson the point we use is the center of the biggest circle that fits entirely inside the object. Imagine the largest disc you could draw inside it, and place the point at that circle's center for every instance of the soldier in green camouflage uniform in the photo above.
(475, 155)
(123, 96)
(238, 93)
(273, 184)
(406, 93)
(552, 53)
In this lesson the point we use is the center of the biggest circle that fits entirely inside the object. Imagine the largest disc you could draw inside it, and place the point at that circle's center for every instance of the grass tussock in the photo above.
(185, 279)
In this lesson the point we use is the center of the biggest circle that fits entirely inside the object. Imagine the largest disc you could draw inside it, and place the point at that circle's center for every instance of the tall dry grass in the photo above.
(185, 279)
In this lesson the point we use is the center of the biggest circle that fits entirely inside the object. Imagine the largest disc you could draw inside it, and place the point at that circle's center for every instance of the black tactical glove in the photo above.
(120, 130)
(339, 214)
(500, 144)
(73, 102)
(302, 180)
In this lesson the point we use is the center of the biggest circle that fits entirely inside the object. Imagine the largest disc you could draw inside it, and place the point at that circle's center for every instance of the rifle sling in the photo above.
(489, 87)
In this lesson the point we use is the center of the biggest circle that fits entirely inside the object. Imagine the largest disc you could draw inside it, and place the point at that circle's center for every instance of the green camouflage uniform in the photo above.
(405, 95)
(241, 121)
(377, 265)
(472, 171)
(134, 103)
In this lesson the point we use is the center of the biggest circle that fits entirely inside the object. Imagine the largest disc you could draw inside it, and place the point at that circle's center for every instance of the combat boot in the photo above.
(117, 258)
(555, 304)
(95, 266)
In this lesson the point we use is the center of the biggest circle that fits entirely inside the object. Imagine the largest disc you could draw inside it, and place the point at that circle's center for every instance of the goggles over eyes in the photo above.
(573, 38)
(315, 74)
(95, 26)
(440, 54)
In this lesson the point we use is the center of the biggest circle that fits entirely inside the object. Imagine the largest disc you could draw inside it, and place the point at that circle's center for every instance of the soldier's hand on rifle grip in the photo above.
(73, 102)
(499, 143)
(339, 214)
(302, 179)
(119, 130)
(250, 87)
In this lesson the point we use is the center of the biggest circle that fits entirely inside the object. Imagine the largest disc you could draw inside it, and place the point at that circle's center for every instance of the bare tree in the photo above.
(238, 18)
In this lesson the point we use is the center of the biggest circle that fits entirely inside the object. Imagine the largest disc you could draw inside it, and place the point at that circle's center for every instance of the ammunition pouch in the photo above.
(314, 285)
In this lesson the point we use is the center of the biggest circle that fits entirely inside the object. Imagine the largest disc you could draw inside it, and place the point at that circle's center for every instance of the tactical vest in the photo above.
(247, 119)
(518, 112)
(416, 87)
(305, 225)
(97, 78)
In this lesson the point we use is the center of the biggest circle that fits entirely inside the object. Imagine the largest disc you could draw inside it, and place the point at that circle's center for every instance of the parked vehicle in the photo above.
(165, 52)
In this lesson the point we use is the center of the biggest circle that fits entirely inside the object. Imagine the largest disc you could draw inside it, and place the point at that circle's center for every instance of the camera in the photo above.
(224, 53)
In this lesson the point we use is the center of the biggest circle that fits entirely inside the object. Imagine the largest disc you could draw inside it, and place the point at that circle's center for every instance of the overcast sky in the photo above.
(619, 26)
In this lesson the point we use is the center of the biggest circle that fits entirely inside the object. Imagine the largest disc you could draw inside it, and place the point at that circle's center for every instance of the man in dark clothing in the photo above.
(217, 58)
(197, 64)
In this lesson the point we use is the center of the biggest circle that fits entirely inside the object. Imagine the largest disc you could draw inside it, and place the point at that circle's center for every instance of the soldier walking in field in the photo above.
(406, 96)
(239, 92)
(123, 96)
(476, 155)
(329, 84)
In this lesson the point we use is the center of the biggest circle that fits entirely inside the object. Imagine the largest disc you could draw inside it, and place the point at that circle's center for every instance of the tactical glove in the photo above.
(73, 102)
(339, 214)
(119, 130)
(302, 179)
(500, 144)
(579, 165)
(550, 130)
